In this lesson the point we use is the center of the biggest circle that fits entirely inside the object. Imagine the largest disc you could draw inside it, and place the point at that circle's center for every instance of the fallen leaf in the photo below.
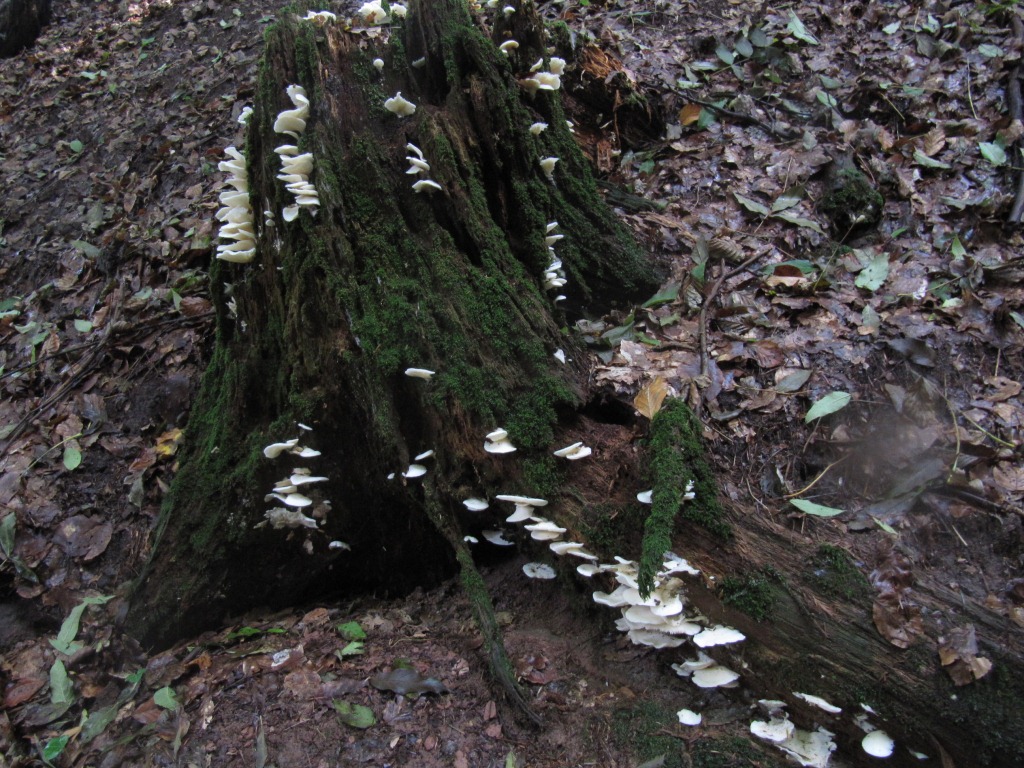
(649, 400)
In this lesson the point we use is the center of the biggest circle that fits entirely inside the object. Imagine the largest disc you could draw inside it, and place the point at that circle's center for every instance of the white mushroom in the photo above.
(400, 106)
(301, 478)
(496, 538)
(688, 717)
(645, 497)
(419, 373)
(588, 569)
(499, 446)
(819, 702)
(379, 64)
(424, 455)
(654, 639)
(274, 450)
(560, 356)
(776, 730)
(414, 470)
(718, 635)
(878, 744)
(428, 185)
(279, 517)
(556, 66)
(547, 164)
(539, 571)
(475, 505)
(471, 539)
(508, 45)
(373, 13)
(568, 449)
(714, 677)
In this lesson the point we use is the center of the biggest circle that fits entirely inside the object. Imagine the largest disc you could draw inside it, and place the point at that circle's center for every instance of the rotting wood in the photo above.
(336, 307)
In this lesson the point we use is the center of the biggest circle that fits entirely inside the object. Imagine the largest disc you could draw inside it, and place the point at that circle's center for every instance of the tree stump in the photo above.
(336, 306)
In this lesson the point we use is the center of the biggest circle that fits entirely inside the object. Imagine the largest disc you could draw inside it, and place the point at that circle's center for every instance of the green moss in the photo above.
(991, 709)
(853, 203)
(677, 457)
(835, 574)
(642, 730)
(731, 752)
(753, 593)
(543, 475)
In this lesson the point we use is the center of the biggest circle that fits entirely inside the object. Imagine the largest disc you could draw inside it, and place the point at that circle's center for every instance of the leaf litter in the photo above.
(106, 234)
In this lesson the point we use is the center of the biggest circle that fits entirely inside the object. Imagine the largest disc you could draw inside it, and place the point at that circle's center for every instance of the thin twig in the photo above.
(738, 116)
(705, 360)
(1013, 97)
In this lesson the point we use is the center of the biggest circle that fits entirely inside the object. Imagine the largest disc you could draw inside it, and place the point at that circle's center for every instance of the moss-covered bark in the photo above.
(336, 307)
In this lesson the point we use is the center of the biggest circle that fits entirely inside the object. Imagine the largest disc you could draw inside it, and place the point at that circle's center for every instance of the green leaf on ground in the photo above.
(165, 698)
(797, 29)
(992, 152)
(876, 269)
(669, 294)
(818, 510)
(54, 747)
(751, 205)
(830, 403)
(923, 160)
(351, 631)
(62, 690)
(355, 715)
(354, 648)
(72, 455)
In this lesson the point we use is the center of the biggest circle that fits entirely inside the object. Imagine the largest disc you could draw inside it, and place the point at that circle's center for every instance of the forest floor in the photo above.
(906, 339)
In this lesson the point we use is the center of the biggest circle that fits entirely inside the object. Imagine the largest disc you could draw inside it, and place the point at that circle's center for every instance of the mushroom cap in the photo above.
(718, 635)
(294, 499)
(379, 64)
(614, 599)
(419, 163)
(508, 45)
(544, 525)
(673, 563)
(878, 744)
(573, 548)
(539, 571)
(522, 500)
(426, 184)
(522, 513)
(475, 504)
(274, 450)
(688, 717)
(471, 539)
(582, 453)
(414, 470)
(588, 569)
(562, 452)
(714, 676)
(496, 435)
(556, 65)
(419, 373)
(415, 150)
(306, 453)
(545, 535)
(290, 213)
(819, 702)
(399, 105)
(499, 446)
(775, 730)
(654, 639)
(645, 497)
(497, 538)
(424, 455)
(289, 123)
(301, 478)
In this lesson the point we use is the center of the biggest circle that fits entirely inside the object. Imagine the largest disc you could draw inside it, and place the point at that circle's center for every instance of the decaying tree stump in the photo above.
(336, 307)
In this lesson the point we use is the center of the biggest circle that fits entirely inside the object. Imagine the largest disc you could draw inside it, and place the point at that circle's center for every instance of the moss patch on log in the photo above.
(833, 573)
(753, 593)
(677, 458)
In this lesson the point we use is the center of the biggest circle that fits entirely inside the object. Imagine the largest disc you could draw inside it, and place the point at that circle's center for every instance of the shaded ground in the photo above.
(111, 129)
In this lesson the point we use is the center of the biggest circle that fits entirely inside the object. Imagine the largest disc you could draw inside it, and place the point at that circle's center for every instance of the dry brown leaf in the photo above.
(689, 114)
(648, 401)
(934, 141)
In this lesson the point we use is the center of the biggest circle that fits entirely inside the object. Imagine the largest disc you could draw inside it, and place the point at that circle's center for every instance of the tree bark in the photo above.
(336, 307)
(20, 24)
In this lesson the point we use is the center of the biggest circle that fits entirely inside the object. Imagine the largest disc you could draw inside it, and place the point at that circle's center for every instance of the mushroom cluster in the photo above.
(399, 105)
(295, 167)
(418, 165)
(808, 748)
(235, 213)
(544, 80)
(554, 275)
(293, 492)
(320, 17)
